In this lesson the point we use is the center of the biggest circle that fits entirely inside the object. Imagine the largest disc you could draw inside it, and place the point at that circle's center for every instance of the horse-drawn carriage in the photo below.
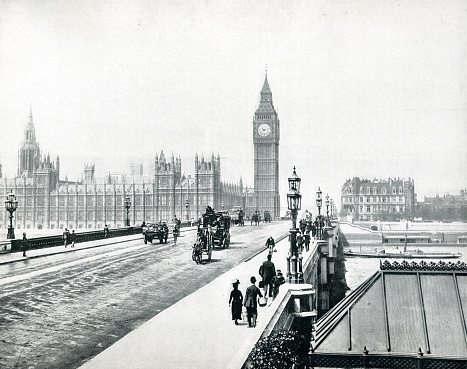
(153, 231)
(213, 231)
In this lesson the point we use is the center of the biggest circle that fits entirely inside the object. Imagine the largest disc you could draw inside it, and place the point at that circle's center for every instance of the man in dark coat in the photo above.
(24, 244)
(65, 237)
(267, 271)
(270, 243)
(251, 302)
(73, 238)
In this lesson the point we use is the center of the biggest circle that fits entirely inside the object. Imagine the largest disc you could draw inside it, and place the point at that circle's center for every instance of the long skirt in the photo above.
(236, 310)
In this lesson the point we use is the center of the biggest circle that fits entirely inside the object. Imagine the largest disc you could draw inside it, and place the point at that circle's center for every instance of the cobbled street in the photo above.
(61, 310)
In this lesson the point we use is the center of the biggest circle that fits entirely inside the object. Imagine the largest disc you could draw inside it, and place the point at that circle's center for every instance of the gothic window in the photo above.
(400, 190)
(361, 189)
(361, 198)
(368, 209)
(393, 190)
(383, 191)
(368, 191)
(368, 199)
(375, 190)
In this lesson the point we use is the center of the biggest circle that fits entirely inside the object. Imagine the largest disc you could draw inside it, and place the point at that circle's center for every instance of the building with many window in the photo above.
(446, 208)
(45, 201)
(384, 200)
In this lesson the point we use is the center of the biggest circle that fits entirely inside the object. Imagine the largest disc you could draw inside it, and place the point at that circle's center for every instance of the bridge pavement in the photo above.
(197, 331)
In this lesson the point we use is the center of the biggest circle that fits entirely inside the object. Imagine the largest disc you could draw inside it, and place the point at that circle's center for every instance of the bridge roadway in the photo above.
(61, 310)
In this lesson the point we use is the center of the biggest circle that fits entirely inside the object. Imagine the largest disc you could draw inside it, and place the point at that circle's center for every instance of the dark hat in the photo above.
(269, 256)
(253, 279)
(236, 281)
(279, 272)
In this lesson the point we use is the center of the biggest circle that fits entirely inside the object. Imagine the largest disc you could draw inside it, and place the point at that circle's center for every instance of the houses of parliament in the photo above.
(45, 201)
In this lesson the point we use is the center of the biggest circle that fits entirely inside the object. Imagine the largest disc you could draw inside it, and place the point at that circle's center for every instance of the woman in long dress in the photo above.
(236, 302)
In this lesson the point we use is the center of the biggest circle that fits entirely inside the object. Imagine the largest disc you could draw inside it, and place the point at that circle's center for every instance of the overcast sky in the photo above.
(373, 89)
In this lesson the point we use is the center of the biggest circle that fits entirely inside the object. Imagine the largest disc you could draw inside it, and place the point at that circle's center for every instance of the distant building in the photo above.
(45, 201)
(446, 208)
(385, 200)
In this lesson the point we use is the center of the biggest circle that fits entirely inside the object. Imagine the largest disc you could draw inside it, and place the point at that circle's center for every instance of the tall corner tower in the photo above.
(266, 135)
(29, 154)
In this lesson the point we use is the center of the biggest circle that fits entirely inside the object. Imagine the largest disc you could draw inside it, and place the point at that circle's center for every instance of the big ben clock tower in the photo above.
(266, 134)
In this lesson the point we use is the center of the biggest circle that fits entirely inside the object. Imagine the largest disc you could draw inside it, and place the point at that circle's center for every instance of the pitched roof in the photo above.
(403, 309)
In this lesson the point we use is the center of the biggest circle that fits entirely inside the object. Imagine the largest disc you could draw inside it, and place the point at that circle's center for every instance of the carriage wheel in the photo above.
(193, 255)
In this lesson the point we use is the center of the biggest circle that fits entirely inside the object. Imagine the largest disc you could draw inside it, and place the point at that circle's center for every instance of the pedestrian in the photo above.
(300, 242)
(236, 301)
(106, 231)
(267, 271)
(270, 243)
(276, 282)
(65, 237)
(24, 244)
(307, 239)
(73, 238)
(252, 294)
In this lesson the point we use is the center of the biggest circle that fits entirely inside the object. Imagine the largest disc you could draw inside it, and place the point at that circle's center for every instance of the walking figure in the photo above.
(270, 243)
(106, 231)
(300, 242)
(276, 282)
(252, 295)
(73, 238)
(65, 237)
(236, 299)
(267, 271)
(24, 244)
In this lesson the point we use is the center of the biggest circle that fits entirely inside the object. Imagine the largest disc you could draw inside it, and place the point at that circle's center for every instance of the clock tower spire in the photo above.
(266, 135)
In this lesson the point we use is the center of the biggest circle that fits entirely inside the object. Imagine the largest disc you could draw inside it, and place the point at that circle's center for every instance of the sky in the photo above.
(373, 89)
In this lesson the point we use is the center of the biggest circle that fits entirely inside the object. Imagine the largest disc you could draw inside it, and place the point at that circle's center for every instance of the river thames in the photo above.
(360, 269)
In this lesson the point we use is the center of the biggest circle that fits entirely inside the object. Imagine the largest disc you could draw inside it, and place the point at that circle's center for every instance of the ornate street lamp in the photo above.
(319, 202)
(10, 205)
(187, 204)
(327, 209)
(127, 207)
(294, 204)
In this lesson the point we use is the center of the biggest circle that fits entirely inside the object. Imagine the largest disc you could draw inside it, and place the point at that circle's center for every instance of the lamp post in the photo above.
(294, 259)
(127, 207)
(187, 204)
(327, 209)
(10, 205)
(319, 202)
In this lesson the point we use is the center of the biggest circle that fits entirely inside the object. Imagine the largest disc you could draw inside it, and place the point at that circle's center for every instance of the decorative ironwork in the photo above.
(384, 361)
(424, 266)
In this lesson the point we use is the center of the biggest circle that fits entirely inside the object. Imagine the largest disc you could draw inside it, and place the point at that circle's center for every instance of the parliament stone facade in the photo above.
(45, 201)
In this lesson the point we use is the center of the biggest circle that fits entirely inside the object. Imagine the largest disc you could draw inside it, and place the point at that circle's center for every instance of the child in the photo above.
(276, 282)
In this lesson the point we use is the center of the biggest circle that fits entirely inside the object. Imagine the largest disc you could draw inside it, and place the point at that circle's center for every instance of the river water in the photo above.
(360, 269)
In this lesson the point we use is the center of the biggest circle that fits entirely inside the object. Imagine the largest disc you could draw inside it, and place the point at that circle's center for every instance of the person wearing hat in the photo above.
(267, 271)
(251, 302)
(236, 299)
(276, 282)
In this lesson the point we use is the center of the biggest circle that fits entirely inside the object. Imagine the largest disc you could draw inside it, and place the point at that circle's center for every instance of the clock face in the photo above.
(264, 130)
